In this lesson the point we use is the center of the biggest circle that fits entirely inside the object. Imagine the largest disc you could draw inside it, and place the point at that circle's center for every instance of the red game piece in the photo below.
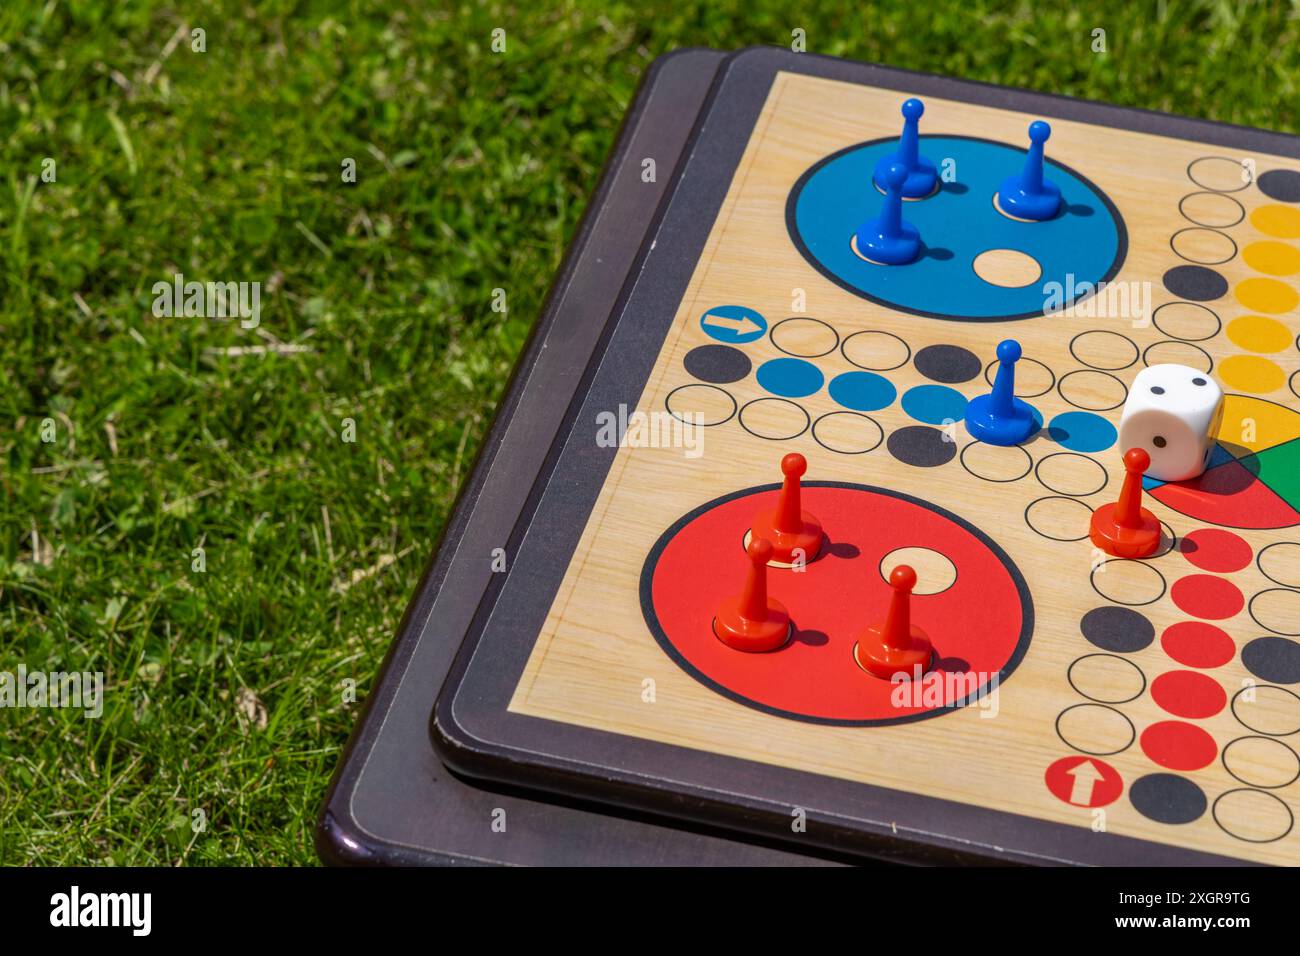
(789, 528)
(896, 646)
(753, 621)
(1124, 528)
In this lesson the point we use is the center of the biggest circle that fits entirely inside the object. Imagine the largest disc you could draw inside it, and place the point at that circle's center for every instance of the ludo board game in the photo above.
(843, 540)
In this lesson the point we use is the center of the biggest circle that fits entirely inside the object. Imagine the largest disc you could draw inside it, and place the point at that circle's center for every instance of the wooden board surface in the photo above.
(595, 654)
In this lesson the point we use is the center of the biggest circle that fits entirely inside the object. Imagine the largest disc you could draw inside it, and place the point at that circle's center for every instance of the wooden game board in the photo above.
(1144, 712)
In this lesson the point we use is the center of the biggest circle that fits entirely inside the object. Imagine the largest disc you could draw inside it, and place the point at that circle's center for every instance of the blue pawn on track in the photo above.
(1000, 418)
(1027, 195)
(887, 239)
(922, 178)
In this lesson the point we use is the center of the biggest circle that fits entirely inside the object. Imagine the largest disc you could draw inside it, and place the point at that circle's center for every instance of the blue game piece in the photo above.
(921, 174)
(887, 239)
(1000, 418)
(1028, 195)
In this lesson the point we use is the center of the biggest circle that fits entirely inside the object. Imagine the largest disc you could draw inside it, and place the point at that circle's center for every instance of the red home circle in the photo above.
(980, 625)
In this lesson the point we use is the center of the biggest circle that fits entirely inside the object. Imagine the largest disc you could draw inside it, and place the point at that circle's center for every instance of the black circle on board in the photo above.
(1227, 223)
(1195, 283)
(1259, 562)
(657, 630)
(907, 351)
(792, 227)
(1167, 798)
(1104, 368)
(1218, 323)
(1240, 181)
(717, 364)
(1117, 629)
(807, 419)
(1273, 659)
(1096, 753)
(1294, 381)
(1073, 501)
(949, 364)
(990, 372)
(1214, 812)
(1164, 585)
(921, 446)
(1256, 688)
(861, 451)
(1202, 262)
(1251, 610)
(1038, 473)
(1209, 362)
(804, 318)
(1069, 676)
(1280, 184)
(1060, 387)
(668, 404)
(1223, 759)
(1029, 463)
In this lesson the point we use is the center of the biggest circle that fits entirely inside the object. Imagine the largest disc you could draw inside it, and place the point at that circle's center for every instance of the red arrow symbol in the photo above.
(1085, 776)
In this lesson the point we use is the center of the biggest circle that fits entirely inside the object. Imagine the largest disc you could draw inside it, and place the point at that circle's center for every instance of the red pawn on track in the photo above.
(1124, 528)
(789, 527)
(896, 646)
(753, 621)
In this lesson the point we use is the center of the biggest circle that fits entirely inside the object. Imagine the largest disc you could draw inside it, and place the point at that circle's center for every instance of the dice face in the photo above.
(1173, 412)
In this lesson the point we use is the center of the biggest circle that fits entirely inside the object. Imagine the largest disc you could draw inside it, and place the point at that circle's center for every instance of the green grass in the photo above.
(226, 687)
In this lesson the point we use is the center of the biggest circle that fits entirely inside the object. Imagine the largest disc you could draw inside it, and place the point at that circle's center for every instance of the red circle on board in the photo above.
(1197, 644)
(1212, 549)
(980, 624)
(1084, 781)
(1179, 746)
(1207, 596)
(1188, 694)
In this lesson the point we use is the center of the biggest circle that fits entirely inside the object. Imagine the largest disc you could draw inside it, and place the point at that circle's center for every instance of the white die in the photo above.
(1173, 412)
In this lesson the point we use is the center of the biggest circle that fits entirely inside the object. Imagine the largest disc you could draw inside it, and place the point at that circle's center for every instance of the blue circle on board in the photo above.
(733, 324)
(934, 404)
(790, 377)
(1082, 431)
(1081, 246)
(862, 391)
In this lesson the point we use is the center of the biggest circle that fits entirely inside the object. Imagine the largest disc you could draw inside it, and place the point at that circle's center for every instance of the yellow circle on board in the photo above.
(1275, 220)
(1267, 295)
(1250, 373)
(1258, 333)
(1273, 258)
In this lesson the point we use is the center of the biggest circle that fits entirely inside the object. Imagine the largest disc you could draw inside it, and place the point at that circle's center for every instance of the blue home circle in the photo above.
(1085, 244)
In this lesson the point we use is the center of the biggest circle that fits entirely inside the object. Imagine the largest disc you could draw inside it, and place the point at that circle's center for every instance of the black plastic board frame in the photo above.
(391, 800)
